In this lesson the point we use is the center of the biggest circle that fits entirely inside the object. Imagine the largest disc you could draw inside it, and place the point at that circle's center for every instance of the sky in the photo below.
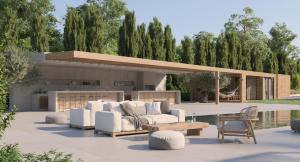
(189, 17)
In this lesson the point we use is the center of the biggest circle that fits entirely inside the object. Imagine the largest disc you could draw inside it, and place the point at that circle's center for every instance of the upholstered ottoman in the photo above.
(295, 125)
(56, 119)
(166, 140)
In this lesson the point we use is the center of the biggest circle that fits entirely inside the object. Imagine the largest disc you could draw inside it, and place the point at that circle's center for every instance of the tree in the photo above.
(141, 30)
(247, 58)
(204, 49)
(13, 24)
(41, 23)
(222, 51)
(187, 51)
(128, 43)
(232, 40)
(200, 51)
(94, 27)
(157, 37)
(281, 44)
(148, 47)
(256, 60)
(169, 44)
(74, 31)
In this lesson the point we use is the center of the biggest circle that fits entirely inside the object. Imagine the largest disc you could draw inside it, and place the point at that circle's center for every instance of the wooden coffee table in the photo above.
(193, 129)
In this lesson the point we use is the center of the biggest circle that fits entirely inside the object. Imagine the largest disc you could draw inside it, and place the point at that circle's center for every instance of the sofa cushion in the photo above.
(162, 118)
(128, 108)
(153, 108)
(140, 108)
(164, 106)
(114, 107)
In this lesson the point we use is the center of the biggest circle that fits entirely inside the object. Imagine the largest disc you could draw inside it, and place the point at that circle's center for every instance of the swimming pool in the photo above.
(267, 119)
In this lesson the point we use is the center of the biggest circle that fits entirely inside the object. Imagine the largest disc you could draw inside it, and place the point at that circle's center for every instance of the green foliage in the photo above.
(256, 60)
(169, 44)
(142, 36)
(233, 42)
(187, 51)
(94, 27)
(157, 37)
(12, 153)
(74, 31)
(19, 65)
(204, 49)
(128, 37)
(281, 44)
(9, 153)
(5, 116)
(222, 51)
(148, 47)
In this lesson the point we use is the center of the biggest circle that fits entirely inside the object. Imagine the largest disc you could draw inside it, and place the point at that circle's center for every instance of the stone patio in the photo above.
(33, 135)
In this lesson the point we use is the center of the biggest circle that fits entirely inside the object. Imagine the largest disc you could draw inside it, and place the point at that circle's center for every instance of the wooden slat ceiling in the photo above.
(95, 58)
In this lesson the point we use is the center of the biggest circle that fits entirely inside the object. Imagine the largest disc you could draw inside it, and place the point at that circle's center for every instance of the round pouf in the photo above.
(166, 140)
(295, 125)
(56, 119)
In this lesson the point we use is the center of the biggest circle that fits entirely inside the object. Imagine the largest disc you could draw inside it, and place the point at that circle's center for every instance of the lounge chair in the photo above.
(239, 125)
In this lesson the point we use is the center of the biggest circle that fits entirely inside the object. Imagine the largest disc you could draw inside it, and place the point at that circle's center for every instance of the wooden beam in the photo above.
(217, 87)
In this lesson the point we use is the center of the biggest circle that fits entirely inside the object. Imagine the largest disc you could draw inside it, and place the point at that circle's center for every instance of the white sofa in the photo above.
(111, 121)
(85, 118)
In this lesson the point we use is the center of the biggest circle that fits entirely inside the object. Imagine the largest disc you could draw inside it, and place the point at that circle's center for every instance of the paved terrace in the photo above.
(33, 135)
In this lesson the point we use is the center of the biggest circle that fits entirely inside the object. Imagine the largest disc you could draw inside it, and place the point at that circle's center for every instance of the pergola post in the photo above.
(217, 89)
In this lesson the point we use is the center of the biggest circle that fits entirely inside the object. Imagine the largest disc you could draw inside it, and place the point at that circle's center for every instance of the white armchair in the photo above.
(85, 118)
(108, 121)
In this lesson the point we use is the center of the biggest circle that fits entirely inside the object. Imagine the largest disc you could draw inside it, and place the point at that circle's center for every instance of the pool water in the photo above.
(267, 119)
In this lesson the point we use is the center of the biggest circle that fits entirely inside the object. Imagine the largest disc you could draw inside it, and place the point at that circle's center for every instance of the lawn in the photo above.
(283, 101)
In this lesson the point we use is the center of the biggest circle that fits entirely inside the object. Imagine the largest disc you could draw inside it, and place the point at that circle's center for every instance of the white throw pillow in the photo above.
(153, 108)
(114, 107)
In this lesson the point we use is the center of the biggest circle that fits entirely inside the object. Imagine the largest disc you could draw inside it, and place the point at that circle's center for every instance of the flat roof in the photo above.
(105, 59)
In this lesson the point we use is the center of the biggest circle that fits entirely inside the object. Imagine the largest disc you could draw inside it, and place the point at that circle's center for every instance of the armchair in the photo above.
(241, 125)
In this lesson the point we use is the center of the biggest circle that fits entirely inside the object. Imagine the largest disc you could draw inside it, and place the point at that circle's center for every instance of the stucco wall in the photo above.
(283, 86)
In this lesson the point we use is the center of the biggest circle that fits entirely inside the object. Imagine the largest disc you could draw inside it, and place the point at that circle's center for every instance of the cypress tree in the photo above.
(200, 51)
(247, 58)
(169, 44)
(141, 29)
(256, 60)
(222, 51)
(239, 51)
(74, 31)
(94, 27)
(187, 51)
(39, 36)
(148, 47)
(157, 36)
(211, 54)
(128, 43)
(231, 38)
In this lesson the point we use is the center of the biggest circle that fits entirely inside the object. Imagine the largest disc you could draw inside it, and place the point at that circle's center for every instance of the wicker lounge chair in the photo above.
(240, 125)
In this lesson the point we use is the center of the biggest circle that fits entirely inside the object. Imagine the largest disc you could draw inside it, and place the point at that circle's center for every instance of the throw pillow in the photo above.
(127, 108)
(114, 107)
(153, 108)
(164, 106)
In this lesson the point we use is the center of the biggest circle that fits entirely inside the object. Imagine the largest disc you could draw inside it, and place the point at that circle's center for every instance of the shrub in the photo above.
(12, 153)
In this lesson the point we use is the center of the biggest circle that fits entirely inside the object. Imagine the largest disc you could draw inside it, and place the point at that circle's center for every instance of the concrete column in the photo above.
(217, 89)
